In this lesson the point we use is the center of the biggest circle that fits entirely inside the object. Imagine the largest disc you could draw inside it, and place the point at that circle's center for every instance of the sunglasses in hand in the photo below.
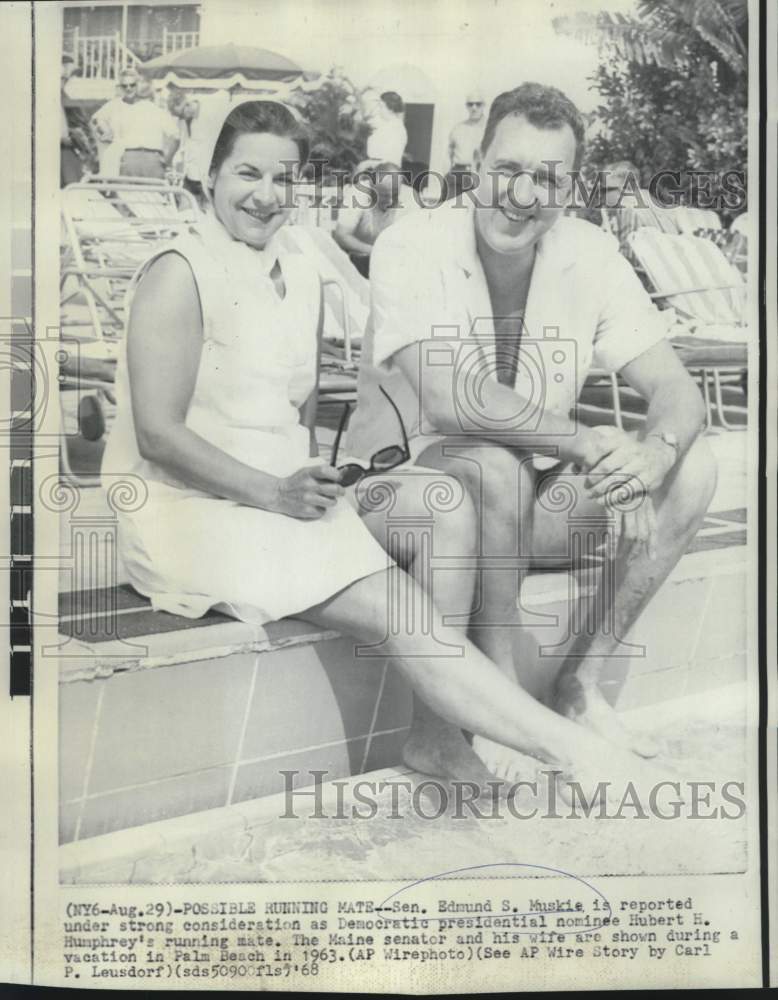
(382, 461)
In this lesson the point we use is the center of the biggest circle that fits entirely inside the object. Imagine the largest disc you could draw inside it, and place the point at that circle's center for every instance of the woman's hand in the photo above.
(308, 493)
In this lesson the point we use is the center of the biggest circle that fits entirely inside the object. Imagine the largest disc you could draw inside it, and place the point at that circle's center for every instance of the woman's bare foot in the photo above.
(505, 762)
(443, 752)
(587, 707)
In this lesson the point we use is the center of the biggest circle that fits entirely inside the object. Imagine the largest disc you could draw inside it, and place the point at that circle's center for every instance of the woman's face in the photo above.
(252, 194)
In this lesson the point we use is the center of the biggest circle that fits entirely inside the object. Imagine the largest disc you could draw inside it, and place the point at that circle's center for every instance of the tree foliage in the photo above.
(673, 89)
(335, 118)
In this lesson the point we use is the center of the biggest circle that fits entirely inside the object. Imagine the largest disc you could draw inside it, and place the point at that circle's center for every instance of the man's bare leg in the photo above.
(680, 506)
(502, 489)
(434, 746)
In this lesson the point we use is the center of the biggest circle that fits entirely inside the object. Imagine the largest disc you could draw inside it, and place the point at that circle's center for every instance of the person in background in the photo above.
(194, 114)
(381, 197)
(389, 137)
(141, 137)
(69, 162)
(465, 141)
(626, 206)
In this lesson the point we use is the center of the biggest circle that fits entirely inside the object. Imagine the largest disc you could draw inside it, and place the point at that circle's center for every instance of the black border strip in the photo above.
(764, 855)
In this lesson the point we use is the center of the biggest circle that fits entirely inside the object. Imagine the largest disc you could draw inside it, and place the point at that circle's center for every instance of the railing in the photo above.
(175, 41)
(101, 57)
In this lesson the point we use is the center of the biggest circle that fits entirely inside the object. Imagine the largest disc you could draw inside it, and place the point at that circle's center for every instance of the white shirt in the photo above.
(197, 138)
(387, 141)
(464, 140)
(585, 306)
(137, 125)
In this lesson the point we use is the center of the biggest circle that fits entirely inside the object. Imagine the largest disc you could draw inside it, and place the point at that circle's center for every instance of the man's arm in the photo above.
(675, 404)
(675, 407)
(440, 386)
(452, 145)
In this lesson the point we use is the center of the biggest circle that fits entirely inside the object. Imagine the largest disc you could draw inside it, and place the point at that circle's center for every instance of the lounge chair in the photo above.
(707, 292)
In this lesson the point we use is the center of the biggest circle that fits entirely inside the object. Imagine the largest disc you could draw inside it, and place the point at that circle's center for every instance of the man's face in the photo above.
(524, 183)
(388, 188)
(475, 110)
(68, 69)
(128, 85)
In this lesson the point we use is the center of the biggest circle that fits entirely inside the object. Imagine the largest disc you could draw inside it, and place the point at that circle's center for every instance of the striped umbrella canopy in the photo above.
(224, 62)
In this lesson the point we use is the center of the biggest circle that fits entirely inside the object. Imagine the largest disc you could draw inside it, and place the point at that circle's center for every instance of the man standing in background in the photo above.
(464, 142)
(387, 142)
(194, 113)
(142, 137)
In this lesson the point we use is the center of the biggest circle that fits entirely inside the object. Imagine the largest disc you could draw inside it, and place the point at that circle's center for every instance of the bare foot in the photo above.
(504, 762)
(587, 707)
(619, 779)
(444, 753)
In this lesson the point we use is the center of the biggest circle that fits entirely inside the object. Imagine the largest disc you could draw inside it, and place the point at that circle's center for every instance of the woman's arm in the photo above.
(164, 344)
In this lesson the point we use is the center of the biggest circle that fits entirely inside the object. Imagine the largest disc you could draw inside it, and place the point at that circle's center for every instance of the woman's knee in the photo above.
(422, 500)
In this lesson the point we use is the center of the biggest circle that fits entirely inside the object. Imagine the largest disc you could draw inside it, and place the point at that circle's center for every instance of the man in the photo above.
(69, 162)
(389, 137)
(379, 200)
(465, 141)
(194, 114)
(627, 207)
(141, 137)
(486, 316)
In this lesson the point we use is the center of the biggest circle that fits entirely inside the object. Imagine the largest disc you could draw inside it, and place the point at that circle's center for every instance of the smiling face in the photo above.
(524, 183)
(251, 196)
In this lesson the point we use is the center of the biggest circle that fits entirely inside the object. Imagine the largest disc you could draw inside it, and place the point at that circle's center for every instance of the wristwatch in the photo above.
(669, 439)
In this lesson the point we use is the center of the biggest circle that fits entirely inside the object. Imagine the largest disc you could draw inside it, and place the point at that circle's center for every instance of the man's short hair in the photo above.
(393, 101)
(543, 107)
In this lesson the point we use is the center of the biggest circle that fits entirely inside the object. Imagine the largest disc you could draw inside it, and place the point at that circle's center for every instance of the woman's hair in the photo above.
(542, 106)
(259, 116)
(393, 101)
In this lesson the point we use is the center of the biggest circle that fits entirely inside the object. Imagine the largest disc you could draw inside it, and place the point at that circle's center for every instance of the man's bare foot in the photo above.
(616, 778)
(587, 707)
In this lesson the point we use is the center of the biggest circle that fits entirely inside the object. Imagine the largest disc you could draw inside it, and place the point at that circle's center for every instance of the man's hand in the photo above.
(642, 464)
(622, 473)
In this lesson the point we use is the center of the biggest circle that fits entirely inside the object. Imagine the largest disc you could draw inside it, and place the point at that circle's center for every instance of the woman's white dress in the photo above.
(189, 551)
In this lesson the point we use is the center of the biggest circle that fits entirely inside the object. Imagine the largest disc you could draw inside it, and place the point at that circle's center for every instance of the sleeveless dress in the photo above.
(188, 550)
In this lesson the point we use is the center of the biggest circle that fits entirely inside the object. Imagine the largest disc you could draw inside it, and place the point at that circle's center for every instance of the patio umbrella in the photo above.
(224, 62)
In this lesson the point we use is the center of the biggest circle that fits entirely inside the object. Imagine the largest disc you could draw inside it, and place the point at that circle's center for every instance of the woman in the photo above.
(220, 356)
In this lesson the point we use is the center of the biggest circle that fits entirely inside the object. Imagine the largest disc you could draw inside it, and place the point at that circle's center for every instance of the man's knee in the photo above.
(694, 482)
